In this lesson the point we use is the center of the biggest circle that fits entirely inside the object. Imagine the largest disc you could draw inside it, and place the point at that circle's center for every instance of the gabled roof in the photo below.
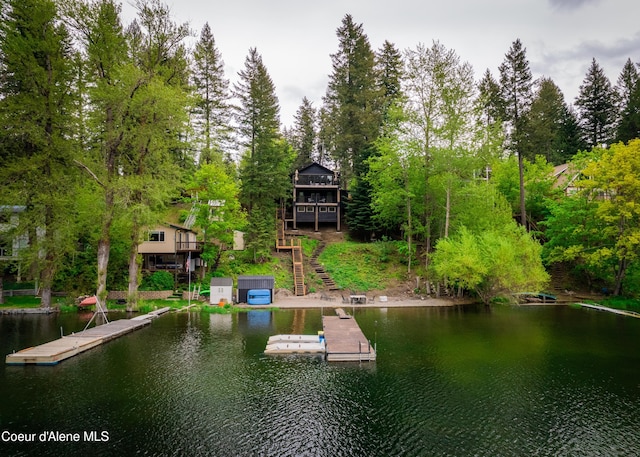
(221, 282)
(176, 226)
(565, 175)
(315, 169)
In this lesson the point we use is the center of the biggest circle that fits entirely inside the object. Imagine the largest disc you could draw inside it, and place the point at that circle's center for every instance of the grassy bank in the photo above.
(363, 267)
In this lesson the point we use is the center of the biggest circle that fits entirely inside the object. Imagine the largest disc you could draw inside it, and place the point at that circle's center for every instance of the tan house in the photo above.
(171, 247)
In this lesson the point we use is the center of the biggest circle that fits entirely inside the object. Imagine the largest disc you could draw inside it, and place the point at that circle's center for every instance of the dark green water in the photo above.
(529, 381)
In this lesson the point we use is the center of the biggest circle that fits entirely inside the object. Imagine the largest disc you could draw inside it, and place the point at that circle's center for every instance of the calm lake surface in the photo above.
(523, 381)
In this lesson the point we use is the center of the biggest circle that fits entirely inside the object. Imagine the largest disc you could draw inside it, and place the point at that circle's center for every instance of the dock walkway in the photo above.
(345, 342)
(65, 347)
(341, 341)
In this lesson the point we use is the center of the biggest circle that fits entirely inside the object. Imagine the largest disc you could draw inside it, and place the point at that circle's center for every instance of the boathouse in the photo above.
(247, 283)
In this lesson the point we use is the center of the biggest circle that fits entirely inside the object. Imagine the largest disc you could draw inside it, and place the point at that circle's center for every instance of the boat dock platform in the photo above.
(65, 347)
(344, 340)
(610, 310)
(341, 341)
(295, 344)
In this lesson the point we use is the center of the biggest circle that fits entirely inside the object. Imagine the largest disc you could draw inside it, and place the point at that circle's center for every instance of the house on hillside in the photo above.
(566, 176)
(171, 247)
(316, 197)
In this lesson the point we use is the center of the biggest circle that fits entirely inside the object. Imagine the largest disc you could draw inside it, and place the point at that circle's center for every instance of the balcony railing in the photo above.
(189, 246)
(317, 180)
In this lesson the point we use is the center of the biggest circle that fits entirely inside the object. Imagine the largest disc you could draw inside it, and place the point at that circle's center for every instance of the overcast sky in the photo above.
(296, 37)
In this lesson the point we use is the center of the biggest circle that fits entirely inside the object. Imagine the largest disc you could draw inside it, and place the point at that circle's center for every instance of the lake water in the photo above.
(525, 381)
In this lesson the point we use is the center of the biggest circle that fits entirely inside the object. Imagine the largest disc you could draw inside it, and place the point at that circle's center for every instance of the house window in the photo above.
(332, 209)
(323, 209)
(301, 209)
(156, 235)
(311, 209)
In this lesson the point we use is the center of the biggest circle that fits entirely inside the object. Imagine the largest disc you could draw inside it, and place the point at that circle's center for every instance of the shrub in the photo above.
(160, 280)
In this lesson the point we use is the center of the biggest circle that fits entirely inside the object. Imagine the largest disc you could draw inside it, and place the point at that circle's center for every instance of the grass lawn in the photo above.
(363, 266)
(27, 301)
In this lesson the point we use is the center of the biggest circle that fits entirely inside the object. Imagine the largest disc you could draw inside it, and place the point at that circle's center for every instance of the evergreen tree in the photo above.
(36, 102)
(490, 98)
(515, 83)
(266, 162)
(303, 136)
(158, 117)
(551, 124)
(112, 84)
(596, 103)
(352, 100)
(628, 89)
(389, 69)
(212, 106)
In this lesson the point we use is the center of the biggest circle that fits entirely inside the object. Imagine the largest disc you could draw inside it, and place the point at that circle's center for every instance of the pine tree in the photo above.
(516, 82)
(158, 117)
(596, 103)
(352, 99)
(36, 99)
(490, 98)
(547, 130)
(389, 69)
(112, 85)
(628, 88)
(303, 136)
(212, 105)
(266, 162)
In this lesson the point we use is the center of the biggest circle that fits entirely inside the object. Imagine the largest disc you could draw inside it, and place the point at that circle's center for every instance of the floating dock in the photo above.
(295, 344)
(610, 310)
(343, 341)
(63, 348)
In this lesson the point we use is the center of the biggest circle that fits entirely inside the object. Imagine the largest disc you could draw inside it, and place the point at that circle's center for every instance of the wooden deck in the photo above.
(63, 348)
(345, 342)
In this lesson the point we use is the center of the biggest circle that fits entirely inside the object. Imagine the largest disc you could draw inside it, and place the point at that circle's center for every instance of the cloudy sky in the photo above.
(296, 37)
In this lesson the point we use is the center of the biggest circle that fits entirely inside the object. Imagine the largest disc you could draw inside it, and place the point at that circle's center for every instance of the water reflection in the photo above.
(510, 381)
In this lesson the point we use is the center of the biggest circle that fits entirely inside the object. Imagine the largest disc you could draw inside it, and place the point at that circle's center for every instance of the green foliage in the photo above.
(236, 263)
(158, 280)
(493, 263)
(357, 266)
(309, 245)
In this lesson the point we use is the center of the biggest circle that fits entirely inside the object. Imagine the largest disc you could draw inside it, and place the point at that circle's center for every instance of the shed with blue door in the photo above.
(261, 287)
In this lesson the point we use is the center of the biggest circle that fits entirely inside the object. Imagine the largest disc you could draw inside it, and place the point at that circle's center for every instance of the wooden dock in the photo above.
(610, 310)
(67, 346)
(345, 342)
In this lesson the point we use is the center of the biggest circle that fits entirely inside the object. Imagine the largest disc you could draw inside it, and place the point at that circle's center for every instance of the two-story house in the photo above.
(316, 196)
(171, 247)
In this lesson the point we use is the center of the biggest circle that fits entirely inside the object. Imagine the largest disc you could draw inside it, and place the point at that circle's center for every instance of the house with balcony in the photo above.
(171, 247)
(316, 197)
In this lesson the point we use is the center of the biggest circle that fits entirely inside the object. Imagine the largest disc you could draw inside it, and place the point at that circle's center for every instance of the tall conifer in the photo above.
(36, 99)
(596, 103)
(516, 82)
